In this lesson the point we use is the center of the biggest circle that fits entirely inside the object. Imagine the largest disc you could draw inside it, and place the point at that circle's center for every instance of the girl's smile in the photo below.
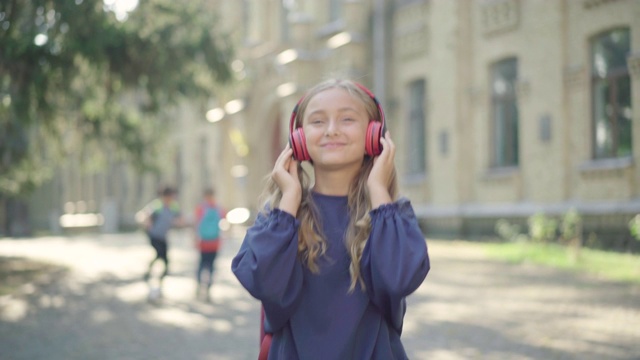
(332, 145)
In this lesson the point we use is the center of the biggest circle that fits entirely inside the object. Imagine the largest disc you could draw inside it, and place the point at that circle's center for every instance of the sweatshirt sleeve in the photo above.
(267, 265)
(395, 260)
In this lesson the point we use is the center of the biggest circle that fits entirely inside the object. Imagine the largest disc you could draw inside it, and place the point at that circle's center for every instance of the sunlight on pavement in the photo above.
(221, 326)
(101, 316)
(179, 288)
(51, 301)
(13, 310)
(442, 355)
(186, 320)
(226, 292)
(468, 307)
(134, 292)
(102, 290)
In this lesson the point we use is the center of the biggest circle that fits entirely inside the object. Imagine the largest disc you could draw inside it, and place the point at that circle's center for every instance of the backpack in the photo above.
(209, 227)
(265, 338)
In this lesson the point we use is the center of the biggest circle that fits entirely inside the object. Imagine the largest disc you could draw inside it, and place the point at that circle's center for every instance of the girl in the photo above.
(332, 262)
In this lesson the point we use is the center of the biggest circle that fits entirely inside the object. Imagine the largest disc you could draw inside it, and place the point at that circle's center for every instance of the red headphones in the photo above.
(375, 131)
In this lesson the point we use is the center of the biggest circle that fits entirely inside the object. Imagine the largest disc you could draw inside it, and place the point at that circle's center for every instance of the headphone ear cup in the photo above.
(373, 147)
(299, 145)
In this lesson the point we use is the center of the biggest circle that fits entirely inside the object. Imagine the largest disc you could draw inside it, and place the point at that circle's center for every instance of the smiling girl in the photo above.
(332, 262)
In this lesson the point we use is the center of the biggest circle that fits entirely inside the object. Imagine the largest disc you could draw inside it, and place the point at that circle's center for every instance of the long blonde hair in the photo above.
(311, 243)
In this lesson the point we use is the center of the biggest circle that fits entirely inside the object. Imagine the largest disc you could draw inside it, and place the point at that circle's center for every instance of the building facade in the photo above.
(500, 108)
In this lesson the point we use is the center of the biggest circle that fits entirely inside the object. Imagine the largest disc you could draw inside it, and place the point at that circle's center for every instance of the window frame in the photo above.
(505, 131)
(611, 81)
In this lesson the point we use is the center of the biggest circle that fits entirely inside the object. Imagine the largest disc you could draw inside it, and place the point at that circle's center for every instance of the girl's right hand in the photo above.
(285, 175)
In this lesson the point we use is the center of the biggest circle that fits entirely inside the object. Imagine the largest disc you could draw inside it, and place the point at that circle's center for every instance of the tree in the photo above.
(72, 73)
(634, 227)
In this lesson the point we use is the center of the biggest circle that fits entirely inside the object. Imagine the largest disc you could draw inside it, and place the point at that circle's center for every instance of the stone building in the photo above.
(500, 108)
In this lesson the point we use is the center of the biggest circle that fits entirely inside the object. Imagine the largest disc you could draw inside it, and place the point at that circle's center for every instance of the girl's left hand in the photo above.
(382, 173)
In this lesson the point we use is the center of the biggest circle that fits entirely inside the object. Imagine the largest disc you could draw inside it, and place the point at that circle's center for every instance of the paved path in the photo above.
(468, 308)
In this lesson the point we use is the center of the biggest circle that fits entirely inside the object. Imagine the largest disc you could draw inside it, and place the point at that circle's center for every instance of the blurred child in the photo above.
(159, 217)
(208, 216)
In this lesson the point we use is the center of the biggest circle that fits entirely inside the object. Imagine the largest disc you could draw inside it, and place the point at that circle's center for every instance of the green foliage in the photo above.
(634, 227)
(74, 77)
(543, 231)
(571, 225)
(542, 228)
(508, 231)
(504, 230)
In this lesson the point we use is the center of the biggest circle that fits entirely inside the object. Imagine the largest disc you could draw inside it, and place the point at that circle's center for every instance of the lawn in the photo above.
(604, 264)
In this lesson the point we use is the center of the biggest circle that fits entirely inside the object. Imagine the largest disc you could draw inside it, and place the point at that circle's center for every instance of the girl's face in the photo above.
(335, 124)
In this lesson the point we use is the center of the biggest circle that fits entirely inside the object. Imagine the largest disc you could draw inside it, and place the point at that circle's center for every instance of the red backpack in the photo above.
(265, 338)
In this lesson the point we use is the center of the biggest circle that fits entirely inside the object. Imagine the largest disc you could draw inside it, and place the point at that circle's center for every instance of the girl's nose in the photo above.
(332, 127)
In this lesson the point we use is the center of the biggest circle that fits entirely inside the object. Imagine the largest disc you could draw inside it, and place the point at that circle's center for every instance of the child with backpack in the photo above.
(208, 215)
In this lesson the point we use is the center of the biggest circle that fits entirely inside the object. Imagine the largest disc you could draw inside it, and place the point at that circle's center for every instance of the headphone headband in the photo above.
(375, 100)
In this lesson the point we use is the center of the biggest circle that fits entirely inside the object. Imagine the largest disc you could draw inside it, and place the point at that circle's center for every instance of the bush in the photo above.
(634, 227)
(542, 229)
(571, 227)
(509, 232)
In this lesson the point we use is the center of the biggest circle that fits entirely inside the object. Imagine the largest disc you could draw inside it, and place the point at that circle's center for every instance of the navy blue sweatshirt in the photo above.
(313, 316)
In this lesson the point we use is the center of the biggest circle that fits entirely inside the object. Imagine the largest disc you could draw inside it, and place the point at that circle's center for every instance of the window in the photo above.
(285, 10)
(416, 149)
(504, 113)
(611, 95)
(335, 10)
(400, 3)
(252, 16)
(178, 161)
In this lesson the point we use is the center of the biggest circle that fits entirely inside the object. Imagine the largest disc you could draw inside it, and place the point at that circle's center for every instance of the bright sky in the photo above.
(121, 8)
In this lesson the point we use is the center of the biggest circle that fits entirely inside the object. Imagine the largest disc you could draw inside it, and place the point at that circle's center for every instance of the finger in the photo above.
(388, 141)
(387, 137)
(293, 168)
(283, 157)
(286, 152)
(392, 147)
(286, 162)
(389, 145)
(385, 148)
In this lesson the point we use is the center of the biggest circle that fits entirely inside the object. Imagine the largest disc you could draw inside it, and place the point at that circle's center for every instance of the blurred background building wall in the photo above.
(499, 108)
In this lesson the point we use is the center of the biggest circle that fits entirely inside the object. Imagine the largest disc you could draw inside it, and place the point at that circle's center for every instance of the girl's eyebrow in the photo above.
(343, 109)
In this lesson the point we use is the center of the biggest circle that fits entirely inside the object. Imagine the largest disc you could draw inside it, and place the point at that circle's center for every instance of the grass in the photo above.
(604, 264)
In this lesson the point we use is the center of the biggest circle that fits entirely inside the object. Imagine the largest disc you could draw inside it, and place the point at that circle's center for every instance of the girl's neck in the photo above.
(334, 183)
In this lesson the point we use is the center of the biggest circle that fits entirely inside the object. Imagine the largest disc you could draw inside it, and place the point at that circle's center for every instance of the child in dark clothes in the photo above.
(159, 217)
(332, 262)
